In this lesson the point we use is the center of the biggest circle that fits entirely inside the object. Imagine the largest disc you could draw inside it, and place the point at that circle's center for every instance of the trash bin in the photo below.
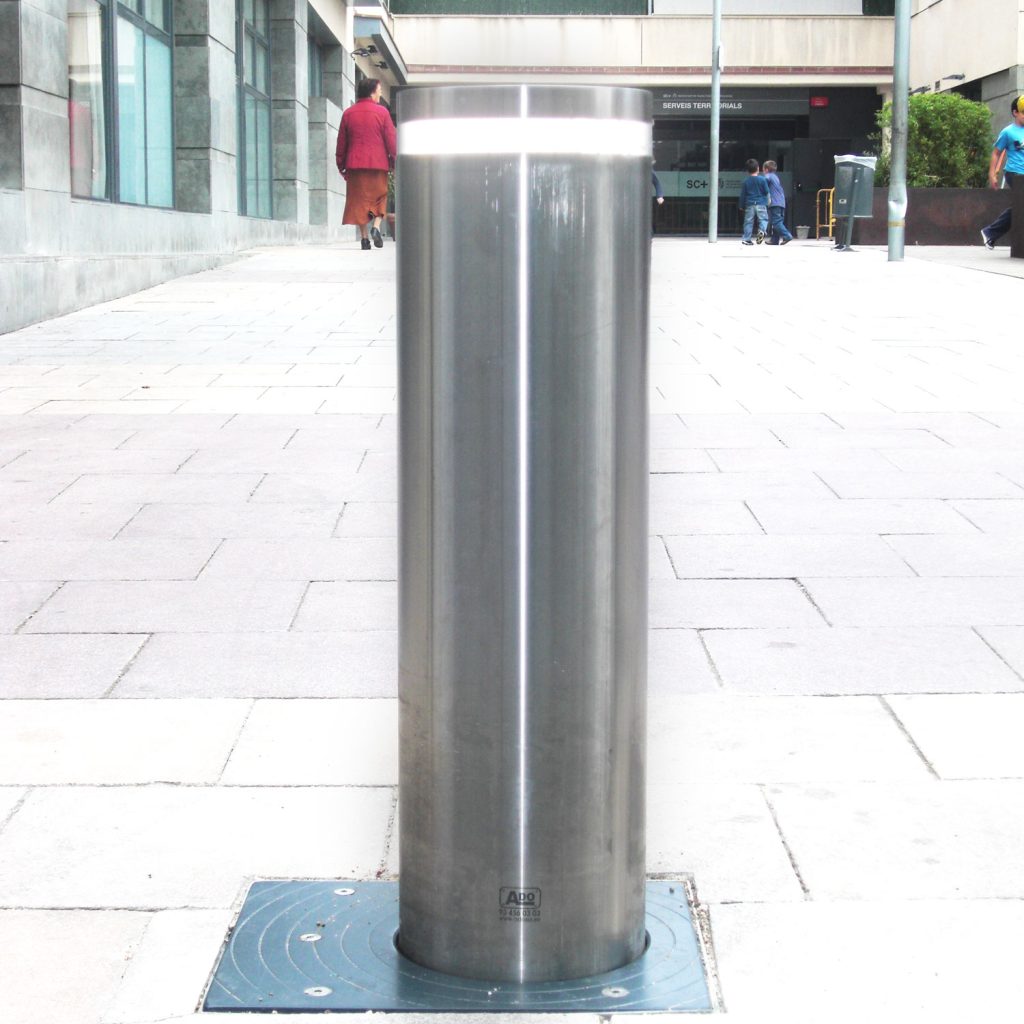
(522, 341)
(854, 195)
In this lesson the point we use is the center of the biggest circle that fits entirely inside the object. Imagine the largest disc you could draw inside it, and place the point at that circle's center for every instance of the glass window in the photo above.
(87, 103)
(121, 113)
(255, 178)
(316, 68)
(131, 112)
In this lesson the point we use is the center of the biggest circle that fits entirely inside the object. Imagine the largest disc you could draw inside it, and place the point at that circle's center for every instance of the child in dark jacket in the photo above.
(754, 196)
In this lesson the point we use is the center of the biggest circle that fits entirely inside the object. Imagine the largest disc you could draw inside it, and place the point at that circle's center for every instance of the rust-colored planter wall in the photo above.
(935, 216)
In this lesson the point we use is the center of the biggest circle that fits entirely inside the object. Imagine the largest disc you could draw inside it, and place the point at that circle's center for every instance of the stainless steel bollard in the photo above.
(523, 266)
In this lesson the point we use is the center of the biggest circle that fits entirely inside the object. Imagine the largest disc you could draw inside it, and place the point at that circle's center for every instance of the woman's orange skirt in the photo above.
(367, 196)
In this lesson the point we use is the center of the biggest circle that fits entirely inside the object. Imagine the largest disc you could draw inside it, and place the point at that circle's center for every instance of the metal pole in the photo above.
(523, 276)
(716, 116)
(898, 141)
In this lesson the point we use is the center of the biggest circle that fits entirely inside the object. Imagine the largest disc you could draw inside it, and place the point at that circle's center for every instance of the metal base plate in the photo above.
(321, 945)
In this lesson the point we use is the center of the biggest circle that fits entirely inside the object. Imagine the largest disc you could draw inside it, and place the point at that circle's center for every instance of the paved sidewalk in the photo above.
(197, 625)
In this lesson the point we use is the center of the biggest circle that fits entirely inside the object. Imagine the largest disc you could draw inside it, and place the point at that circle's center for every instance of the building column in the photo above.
(326, 186)
(205, 107)
(289, 78)
(34, 96)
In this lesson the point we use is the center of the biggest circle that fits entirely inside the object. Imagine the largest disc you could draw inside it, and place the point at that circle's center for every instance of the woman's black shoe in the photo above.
(366, 243)
(377, 240)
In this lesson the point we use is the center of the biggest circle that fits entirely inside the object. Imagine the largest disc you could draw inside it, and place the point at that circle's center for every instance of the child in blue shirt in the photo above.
(754, 203)
(1008, 156)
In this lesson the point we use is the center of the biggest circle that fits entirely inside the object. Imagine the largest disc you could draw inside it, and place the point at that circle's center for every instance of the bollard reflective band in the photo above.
(564, 136)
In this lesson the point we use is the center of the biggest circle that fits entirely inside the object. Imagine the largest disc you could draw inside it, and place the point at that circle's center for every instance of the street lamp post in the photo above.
(898, 140)
(716, 114)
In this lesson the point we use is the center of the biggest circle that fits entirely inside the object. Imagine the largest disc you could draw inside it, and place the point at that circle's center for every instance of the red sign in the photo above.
(819, 101)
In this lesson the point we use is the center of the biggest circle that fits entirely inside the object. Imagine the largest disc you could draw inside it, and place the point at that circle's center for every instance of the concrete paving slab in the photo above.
(993, 516)
(28, 560)
(299, 743)
(720, 738)
(782, 557)
(64, 967)
(678, 518)
(9, 800)
(677, 663)
(729, 604)
(790, 486)
(329, 607)
(176, 847)
(858, 660)
(341, 664)
(190, 488)
(914, 961)
(724, 836)
(898, 484)
(368, 519)
(966, 736)
(898, 840)
(999, 555)
(230, 519)
(116, 742)
(859, 515)
(340, 558)
(919, 602)
(202, 606)
(18, 601)
(167, 974)
(63, 666)
(1008, 643)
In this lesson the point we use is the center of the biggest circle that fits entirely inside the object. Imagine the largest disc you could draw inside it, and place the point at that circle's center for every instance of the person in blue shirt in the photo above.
(776, 205)
(754, 203)
(1008, 156)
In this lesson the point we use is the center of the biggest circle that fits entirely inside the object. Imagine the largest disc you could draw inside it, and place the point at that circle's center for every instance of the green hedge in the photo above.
(949, 142)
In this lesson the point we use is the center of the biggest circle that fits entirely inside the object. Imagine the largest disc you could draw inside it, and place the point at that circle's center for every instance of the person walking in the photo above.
(776, 205)
(754, 203)
(365, 153)
(1008, 154)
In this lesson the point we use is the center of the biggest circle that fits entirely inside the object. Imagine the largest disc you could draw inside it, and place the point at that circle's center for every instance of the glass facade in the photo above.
(122, 125)
(255, 149)
(87, 100)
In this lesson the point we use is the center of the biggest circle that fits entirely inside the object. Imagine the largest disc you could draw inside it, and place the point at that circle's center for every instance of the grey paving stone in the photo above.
(63, 666)
(31, 489)
(306, 489)
(780, 460)
(185, 432)
(1008, 642)
(174, 846)
(189, 488)
(932, 960)
(998, 555)
(103, 559)
(782, 557)
(724, 836)
(82, 522)
(64, 967)
(368, 519)
(860, 660)
(900, 437)
(116, 742)
(997, 516)
(19, 600)
(739, 739)
(340, 558)
(902, 485)
(920, 602)
(791, 486)
(233, 519)
(906, 841)
(277, 745)
(204, 606)
(681, 460)
(677, 663)
(675, 518)
(729, 604)
(329, 462)
(9, 800)
(975, 736)
(329, 607)
(352, 664)
(169, 970)
(859, 515)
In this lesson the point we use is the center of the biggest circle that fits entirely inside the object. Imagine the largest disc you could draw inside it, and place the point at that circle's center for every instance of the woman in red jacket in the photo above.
(365, 154)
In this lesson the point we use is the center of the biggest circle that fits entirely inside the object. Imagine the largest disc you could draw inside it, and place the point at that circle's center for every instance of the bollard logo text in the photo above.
(519, 904)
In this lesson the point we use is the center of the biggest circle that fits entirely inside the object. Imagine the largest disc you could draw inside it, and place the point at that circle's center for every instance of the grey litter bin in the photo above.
(854, 196)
